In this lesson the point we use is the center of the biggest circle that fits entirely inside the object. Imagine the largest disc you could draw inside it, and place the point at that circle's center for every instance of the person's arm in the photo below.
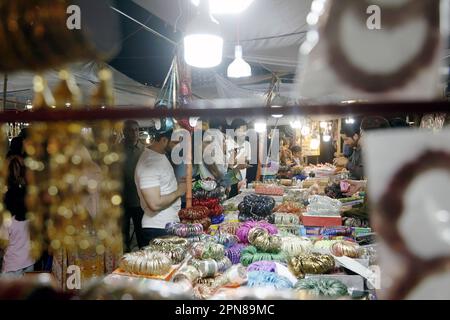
(156, 202)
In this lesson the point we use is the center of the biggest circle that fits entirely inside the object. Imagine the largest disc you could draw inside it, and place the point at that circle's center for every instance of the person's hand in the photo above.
(340, 162)
(182, 187)
(241, 166)
(354, 187)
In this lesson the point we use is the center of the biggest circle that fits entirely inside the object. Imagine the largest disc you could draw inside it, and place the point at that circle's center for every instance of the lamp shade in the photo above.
(203, 43)
(226, 6)
(239, 68)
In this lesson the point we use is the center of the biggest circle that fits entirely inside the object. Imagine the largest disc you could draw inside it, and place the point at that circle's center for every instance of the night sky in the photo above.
(144, 57)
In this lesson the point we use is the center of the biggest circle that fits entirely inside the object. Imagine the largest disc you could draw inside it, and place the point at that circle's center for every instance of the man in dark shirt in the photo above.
(133, 149)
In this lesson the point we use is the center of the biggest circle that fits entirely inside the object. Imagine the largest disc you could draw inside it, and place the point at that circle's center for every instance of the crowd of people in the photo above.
(154, 188)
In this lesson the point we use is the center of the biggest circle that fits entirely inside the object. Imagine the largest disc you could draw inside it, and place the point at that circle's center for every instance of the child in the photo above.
(17, 258)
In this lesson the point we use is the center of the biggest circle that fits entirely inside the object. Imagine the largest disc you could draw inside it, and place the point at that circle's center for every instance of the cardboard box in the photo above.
(321, 221)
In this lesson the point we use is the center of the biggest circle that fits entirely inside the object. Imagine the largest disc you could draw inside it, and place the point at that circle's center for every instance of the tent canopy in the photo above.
(270, 31)
(126, 91)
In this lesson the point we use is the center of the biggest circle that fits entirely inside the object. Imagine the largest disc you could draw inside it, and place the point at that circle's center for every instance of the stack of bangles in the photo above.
(205, 222)
(312, 263)
(184, 230)
(207, 250)
(211, 267)
(187, 273)
(234, 253)
(226, 239)
(262, 240)
(217, 219)
(268, 279)
(295, 246)
(176, 254)
(346, 248)
(250, 254)
(194, 213)
(284, 219)
(267, 266)
(245, 228)
(213, 205)
(229, 227)
(288, 229)
(200, 238)
(146, 263)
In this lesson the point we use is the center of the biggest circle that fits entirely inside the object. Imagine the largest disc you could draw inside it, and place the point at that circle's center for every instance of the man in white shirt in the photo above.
(158, 190)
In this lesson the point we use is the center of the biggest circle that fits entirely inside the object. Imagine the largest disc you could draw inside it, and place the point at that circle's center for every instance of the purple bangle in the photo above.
(268, 266)
(245, 228)
(234, 253)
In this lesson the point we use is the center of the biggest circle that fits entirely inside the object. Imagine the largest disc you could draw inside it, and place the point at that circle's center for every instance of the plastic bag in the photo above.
(323, 206)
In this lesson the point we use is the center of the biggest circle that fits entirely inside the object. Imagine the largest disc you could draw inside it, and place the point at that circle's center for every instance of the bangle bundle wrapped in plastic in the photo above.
(289, 207)
(194, 213)
(244, 217)
(205, 222)
(200, 238)
(322, 287)
(262, 240)
(226, 239)
(256, 206)
(218, 192)
(250, 254)
(288, 230)
(268, 279)
(187, 273)
(245, 228)
(346, 248)
(312, 263)
(146, 263)
(207, 250)
(267, 266)
(184, 230)
(284, 219)
(170, 241)
(234, 253)
(213, 205)
(229, 227)
(173, 247)
(217, 219)
(294, 246)
(211, 267)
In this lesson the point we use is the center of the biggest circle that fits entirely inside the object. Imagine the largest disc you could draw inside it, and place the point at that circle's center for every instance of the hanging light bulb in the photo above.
(226, 6)
(203, 44)
(326, 137)
(260, 126)
(296, 124)
(350, 120)
(239, 68)
(193, 121)
(277, 102)
(323, 124)
(306, 130)
(29, 105)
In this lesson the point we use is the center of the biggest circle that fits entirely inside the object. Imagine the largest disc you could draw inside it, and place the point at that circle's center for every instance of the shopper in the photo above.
(297, 155)
(157, 187)
(17, 259)
(133, 149)
(241, 155)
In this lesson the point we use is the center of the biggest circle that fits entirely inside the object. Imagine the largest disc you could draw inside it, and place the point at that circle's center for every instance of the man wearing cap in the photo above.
(159, 192)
